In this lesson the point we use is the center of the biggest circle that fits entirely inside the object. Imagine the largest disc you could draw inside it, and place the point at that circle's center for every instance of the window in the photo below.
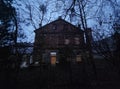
(54, 27)
(53, 53)
(78, 58)
(77, 42)
(67, 41)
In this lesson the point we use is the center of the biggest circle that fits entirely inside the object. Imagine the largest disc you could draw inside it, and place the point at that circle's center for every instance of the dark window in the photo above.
(65, 27)
(77, 40)
(67, 41)
(54, 27)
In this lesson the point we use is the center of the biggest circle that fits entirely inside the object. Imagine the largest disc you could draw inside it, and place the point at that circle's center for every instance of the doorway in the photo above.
(53, 58)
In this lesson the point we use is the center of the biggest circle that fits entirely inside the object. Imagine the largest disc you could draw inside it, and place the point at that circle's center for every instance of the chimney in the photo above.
(40, 25)
(60, 17)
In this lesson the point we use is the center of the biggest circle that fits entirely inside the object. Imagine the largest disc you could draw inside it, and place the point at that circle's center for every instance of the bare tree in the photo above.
(95, 10)
(37, 14)
(107, 39)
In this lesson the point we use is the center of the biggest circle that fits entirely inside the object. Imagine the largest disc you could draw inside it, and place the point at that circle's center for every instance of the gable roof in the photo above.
(59, 19)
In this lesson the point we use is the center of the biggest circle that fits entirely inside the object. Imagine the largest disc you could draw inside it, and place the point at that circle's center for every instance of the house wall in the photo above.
(56, 36)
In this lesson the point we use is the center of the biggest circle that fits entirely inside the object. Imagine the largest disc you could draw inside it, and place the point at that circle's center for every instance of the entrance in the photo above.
(53, 58)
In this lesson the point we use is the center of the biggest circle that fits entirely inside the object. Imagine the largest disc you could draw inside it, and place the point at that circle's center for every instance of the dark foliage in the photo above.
(6, 22)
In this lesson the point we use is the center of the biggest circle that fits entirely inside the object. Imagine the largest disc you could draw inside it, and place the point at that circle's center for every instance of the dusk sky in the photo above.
(56, 8)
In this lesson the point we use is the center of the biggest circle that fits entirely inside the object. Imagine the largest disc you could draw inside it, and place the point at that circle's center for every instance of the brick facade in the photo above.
(59, 37)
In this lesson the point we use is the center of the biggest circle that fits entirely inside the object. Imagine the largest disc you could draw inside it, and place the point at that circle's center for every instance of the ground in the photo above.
(64, 76)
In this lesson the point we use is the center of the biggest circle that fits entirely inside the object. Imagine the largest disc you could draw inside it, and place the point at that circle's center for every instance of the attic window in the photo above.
(54, 27)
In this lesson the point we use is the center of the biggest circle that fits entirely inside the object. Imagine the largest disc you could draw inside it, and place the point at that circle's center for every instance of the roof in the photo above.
(59, 19)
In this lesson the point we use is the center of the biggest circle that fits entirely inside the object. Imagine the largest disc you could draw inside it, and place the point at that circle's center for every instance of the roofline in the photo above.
(57, 20)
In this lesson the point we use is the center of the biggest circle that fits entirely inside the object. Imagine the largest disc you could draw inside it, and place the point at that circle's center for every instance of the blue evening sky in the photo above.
(55, 8)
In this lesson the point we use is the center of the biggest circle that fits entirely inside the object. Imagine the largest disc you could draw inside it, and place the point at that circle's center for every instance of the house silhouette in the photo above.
(59, 42)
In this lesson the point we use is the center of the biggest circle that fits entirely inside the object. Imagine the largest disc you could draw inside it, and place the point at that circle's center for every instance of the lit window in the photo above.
(78, 58)
(53, 53)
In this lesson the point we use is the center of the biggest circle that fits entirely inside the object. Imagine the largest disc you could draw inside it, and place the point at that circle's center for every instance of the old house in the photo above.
(58, 42)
